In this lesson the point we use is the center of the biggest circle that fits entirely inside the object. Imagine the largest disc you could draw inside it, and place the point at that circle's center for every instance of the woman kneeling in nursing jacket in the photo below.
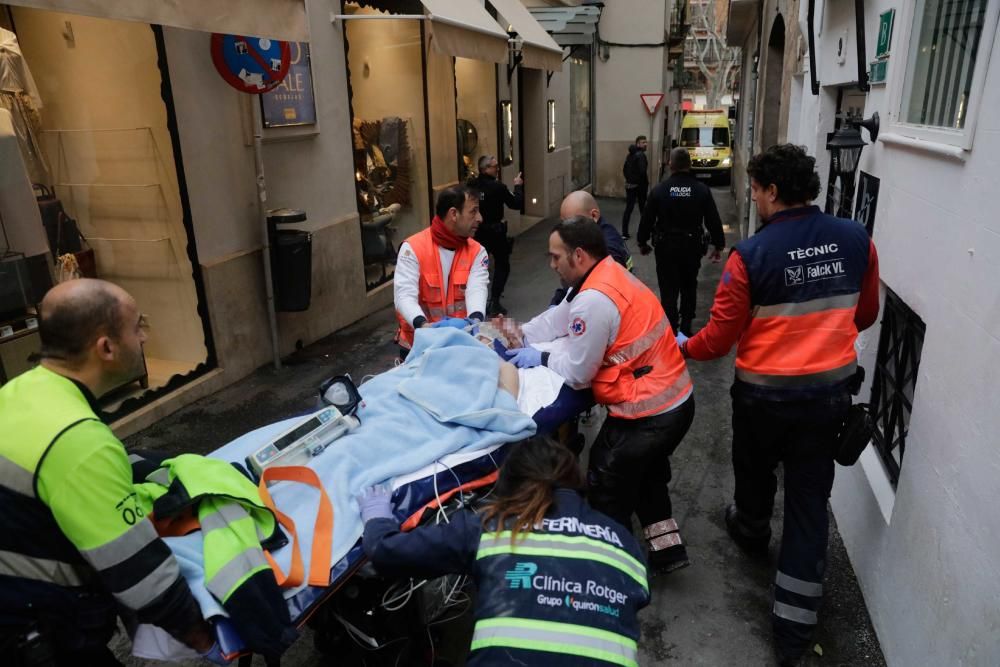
(558, 582)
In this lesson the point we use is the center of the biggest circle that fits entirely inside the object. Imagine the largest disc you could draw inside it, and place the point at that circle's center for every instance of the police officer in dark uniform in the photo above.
(678, 212)
(492, 233)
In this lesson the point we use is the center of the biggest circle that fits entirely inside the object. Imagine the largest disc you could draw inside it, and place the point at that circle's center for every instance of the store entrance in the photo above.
(100, 137)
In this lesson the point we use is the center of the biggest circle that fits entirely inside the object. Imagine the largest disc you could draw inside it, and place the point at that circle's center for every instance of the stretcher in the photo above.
(414, 496)
(452, 476)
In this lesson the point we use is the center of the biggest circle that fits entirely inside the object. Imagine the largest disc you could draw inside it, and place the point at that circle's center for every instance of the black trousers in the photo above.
(493, 236)
(638, 193)
(801, 435)
(629, 467)
(678, 260)
(18, 653)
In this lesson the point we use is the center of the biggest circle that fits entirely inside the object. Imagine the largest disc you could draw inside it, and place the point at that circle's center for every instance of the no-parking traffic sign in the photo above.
(250, 64)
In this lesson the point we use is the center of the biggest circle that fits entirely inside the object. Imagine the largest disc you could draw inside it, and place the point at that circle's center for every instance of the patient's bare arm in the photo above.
(508, 378)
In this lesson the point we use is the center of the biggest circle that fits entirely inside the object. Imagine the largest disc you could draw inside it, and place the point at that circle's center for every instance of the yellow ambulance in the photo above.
(706, 136)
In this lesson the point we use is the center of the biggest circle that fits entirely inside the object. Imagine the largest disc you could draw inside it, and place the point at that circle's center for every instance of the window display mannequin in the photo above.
(19, 96)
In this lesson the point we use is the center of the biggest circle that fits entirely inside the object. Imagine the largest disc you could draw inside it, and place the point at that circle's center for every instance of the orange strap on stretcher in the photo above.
(319, 563)
(414, 519)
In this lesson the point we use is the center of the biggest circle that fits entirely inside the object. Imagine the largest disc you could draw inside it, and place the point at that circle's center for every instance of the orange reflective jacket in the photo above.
(805, 270)
(437, 300)
(643, 372)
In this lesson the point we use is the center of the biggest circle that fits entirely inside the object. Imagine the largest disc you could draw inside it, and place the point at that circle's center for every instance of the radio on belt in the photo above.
(303, 441)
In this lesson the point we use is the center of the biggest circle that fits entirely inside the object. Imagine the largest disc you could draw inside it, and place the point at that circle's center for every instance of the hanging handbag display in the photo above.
(65, 238)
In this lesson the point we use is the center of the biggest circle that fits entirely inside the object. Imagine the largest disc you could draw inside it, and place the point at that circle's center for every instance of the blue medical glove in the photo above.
(453, 322)
(214, 655)
(375, 503)
(680, 337)
(525, 357)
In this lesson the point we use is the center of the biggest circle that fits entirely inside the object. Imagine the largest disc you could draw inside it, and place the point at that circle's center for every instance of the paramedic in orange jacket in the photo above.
(442, 274)
(611, 333)
(793, 298)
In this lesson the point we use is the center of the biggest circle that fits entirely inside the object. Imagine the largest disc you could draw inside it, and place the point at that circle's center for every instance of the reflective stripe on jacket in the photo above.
(643, 371)
(71, 533)
(805, 270)
(438, 300)
(232, 516)
(234, 523)
(566, 592)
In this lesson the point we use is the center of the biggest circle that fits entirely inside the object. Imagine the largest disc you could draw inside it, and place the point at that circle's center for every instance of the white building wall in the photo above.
(926, 554)
(619, 115)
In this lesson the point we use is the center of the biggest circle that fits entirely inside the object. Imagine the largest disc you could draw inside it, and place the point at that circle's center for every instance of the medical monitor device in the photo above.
(304, 440)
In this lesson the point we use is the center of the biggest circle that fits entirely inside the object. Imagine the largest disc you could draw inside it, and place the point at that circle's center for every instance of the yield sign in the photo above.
(651, 101)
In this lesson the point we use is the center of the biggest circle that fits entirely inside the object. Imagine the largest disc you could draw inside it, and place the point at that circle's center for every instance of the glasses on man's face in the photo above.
(144, 322)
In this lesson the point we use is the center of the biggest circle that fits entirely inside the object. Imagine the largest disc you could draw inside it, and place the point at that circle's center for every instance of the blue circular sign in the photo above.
(250, 64)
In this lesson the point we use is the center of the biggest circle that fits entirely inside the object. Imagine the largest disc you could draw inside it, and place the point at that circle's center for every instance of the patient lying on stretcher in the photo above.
(540, 391)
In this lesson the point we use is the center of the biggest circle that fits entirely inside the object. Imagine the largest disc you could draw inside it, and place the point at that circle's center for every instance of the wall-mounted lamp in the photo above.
(515, 53)
(846, 143)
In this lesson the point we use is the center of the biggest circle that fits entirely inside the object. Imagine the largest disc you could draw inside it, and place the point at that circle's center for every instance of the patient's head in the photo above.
(534, 469)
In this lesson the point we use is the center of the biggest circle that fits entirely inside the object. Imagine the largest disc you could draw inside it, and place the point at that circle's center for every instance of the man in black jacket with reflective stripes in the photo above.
(676, 216)
(492, 234)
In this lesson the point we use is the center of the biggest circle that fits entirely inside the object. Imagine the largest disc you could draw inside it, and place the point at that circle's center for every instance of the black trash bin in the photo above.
(291, 261)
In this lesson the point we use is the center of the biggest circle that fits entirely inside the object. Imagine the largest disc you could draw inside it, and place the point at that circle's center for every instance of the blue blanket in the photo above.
(443, 400)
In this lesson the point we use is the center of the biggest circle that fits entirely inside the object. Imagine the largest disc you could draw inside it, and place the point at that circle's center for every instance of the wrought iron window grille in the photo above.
(896, 366)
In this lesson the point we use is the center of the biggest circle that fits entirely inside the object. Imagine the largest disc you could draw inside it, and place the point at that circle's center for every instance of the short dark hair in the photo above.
(640, 138)
(67, 329)
(790, 169)
(582, 232)
(680, 159)
(454, 197)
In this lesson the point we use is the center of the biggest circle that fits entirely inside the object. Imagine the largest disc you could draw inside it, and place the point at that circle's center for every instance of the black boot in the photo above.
(666, 549)
(685, 328)
(751, 535)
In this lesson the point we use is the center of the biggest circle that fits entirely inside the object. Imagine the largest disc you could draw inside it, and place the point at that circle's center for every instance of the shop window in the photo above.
(100, 139)
(580, 120)
(899, 347)
(475, 83)
(506, 133)
(551, 118)
(949, 47)
(385, 70)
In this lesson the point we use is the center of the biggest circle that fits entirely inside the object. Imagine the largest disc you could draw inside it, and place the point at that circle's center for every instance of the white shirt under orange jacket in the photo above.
(614, 336)
(406, 283)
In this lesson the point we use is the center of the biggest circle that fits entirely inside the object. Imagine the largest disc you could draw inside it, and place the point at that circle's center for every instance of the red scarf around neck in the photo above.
(444, 237)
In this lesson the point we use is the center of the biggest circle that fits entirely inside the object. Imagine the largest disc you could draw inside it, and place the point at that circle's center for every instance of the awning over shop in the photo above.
(465, 30)
(277, 19)
(539, 51)
(569, 26)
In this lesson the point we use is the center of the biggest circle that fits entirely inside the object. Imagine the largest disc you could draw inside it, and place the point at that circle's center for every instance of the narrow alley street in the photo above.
(714, 613)
(210, 209)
